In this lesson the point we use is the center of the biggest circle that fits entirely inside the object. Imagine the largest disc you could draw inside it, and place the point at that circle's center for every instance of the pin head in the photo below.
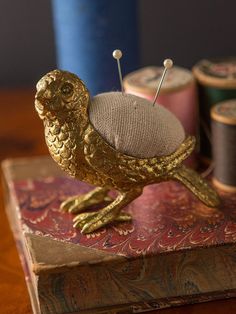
(117, 54)
(168, 63)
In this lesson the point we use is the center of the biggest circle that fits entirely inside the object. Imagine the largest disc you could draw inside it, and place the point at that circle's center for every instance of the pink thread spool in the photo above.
(178, 94)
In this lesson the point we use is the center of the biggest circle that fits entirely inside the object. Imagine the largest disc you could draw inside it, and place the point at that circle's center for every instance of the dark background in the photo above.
(185, 30)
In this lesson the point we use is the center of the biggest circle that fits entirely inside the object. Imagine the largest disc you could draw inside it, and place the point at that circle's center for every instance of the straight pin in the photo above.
(117, 54)
(168, 63)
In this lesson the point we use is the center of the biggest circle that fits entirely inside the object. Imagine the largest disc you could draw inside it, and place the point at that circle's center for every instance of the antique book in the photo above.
(175, 251)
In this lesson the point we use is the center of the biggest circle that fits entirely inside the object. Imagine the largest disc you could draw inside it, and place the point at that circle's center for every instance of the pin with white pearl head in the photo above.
(117, 54)
(168, 63)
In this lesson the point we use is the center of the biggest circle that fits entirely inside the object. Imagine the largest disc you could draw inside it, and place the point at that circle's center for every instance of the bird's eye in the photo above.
(67, 89)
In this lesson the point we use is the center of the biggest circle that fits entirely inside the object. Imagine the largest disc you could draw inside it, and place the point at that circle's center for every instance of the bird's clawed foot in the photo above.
(89, 222)
(76, 204)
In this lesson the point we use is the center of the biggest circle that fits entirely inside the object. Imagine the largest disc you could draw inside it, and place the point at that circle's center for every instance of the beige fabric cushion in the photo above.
(133, 126)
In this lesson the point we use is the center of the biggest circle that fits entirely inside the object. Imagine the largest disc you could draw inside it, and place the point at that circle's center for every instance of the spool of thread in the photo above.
(178, 94)
(216, 82)
(86, 33)
(223, 122)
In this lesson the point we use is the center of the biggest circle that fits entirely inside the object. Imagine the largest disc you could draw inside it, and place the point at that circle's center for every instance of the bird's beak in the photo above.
(39, 103)
(39, 95)
(41, 88)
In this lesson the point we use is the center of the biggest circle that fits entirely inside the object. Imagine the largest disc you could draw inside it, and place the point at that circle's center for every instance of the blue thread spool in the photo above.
(86, 33)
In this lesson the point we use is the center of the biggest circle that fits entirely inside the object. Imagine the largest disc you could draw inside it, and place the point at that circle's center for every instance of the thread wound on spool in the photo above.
(217, 82)
(223, 141)
(217, 73)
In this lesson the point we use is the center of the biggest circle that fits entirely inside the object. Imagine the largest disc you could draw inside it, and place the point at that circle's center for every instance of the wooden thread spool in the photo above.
(223, 125)
(216, 82)
(177, 94)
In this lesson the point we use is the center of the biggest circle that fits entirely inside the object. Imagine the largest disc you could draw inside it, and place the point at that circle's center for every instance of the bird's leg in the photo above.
(89, 222)
(76, 204)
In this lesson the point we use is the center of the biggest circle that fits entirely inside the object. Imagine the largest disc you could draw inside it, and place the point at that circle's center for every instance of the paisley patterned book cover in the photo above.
(175, 251)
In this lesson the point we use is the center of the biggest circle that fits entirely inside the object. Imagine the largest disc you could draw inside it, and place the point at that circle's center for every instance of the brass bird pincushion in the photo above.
(113, 141)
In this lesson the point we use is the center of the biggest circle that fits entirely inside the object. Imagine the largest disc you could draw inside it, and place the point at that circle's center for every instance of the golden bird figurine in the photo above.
(113, 141)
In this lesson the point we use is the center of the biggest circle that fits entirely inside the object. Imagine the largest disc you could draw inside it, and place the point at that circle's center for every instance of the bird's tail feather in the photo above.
(197, 185)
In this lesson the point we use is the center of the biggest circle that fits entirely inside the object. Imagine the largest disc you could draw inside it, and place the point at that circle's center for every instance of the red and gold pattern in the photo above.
(166, 218)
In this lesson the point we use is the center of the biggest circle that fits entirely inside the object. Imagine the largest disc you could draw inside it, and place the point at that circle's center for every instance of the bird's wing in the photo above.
(113, 166)
(175, 159)
(197, 185)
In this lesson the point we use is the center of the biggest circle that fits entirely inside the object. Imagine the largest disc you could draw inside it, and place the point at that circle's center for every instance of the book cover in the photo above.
(175, 251)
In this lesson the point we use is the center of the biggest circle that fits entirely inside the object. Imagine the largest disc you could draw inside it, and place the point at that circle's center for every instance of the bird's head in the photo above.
(58, 93)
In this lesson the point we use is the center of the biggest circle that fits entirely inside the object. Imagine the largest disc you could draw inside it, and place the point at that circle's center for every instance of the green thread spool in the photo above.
(223, 124)
(216, 82)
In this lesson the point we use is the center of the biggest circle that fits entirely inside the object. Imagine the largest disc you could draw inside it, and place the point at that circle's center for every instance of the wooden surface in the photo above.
(21, 134)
